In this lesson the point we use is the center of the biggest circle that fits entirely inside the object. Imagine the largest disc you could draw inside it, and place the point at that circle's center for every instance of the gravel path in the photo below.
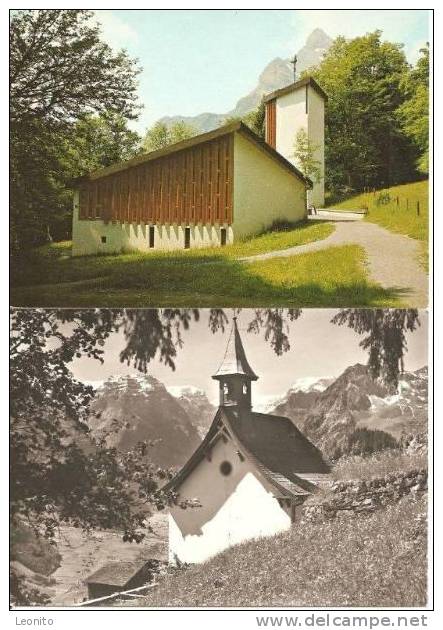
(392, 259)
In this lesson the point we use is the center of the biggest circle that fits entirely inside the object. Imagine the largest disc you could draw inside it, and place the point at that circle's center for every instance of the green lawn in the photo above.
(331, 277)
(306, 232)
(401, 218)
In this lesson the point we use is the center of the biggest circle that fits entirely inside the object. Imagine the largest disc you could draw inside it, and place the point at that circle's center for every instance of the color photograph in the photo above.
(310, 188)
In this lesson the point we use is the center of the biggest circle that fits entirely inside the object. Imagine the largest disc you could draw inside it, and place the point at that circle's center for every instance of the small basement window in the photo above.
(226, 468)
(187, 237)
(151, 236)
(223, 236)
(103, 239)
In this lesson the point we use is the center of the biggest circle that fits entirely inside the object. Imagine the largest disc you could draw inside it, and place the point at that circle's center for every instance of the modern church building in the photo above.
(210, 190)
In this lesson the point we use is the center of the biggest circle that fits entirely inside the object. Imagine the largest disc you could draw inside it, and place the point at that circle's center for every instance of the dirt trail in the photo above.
(392, 259)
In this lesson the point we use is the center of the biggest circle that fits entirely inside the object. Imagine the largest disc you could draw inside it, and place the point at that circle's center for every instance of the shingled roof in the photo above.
(274, 446)
(235, 361)
(116, 573)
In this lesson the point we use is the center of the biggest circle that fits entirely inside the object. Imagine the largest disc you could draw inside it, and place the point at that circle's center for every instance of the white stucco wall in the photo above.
(264, 191)
(234, 508)
(316, 133)
(125, 237)
(291, 116)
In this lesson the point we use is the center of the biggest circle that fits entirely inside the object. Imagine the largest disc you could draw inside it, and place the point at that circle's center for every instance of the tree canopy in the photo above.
(63, 77)
(160, 135)
(366, 81)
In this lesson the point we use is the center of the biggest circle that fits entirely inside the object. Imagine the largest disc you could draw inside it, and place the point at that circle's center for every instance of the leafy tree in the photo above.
(255, 119)
(99, 141)
(60, 68)
(157, 137)
(414, 112)
(304, 153)
(60, 72)
(160, 135)
(59, 474)
(364, 143)
(181, 131)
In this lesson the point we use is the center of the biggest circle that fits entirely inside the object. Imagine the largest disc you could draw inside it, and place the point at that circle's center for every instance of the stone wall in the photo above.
(365, 496)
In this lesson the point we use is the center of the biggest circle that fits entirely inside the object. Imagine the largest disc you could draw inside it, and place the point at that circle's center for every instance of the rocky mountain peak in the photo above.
(133, 408)
(318, 39)
(354, 401)
(277, 71)
(277, 74)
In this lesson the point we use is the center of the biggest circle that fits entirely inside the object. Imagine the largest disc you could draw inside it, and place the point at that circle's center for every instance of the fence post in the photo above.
(418, 208)
(398, 201)
(407, 204)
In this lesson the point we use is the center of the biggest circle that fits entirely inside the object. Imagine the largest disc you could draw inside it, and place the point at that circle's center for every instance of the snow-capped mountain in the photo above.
(294, 395)
(129, 409)
(329, 410)
(329, 416)
(196, 404)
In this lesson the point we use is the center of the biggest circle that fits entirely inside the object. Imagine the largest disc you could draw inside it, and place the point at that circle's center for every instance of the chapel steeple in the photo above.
(235, 374)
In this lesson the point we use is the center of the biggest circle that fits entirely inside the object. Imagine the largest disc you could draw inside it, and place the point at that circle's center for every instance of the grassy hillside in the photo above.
(379, 464)
(376, 560)
(356, 559)
(37, 554)
(398, 217)
(330, 277)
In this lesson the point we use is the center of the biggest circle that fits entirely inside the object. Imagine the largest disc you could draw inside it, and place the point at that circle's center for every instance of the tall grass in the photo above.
(399, 212)
(378, 465)
(365, 561)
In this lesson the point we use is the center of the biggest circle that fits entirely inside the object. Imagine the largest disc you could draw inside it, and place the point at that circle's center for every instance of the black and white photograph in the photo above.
(219, 457)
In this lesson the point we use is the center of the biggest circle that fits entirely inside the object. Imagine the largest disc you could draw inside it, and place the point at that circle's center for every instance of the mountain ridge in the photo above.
(276, 74)
(329, 410)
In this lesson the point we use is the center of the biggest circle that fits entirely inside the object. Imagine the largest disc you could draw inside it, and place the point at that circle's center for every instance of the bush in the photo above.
(382, 199)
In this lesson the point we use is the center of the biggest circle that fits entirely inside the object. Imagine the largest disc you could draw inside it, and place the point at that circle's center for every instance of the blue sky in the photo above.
(196, 60)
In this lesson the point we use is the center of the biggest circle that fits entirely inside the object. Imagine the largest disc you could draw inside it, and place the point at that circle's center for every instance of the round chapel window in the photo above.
(226, 468)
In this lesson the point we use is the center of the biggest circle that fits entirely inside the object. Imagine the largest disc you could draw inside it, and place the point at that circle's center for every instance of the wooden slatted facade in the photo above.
(271, 122)
(193, 185)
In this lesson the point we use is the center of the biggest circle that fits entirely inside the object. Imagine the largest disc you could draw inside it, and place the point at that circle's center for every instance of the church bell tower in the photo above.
(235, 374)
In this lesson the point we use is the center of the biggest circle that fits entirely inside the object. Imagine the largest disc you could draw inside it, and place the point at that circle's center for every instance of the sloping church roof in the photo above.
(235, 361)
(280, 453)
(235, 127)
